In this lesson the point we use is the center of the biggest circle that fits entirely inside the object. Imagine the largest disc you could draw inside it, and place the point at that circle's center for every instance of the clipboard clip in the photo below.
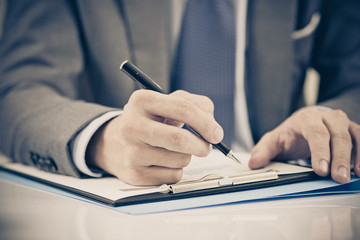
(216, 181)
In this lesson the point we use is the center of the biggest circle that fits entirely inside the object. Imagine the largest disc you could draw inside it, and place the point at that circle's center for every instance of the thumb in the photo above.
(265, 150)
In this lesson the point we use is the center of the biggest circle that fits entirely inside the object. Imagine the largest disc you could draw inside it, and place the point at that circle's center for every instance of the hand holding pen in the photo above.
(146, 144)
(138, 76)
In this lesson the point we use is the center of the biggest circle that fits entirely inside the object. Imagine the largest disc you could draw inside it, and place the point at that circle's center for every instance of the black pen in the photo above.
(138, 76)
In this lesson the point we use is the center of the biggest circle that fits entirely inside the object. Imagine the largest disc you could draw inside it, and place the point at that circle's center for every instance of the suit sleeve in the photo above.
(41, 64)
(337, 57)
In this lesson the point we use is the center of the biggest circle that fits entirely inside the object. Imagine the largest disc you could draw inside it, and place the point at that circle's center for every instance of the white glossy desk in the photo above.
(27, 213)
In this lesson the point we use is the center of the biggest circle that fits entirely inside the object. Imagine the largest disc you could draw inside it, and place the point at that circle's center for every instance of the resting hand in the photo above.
(329, 137)
(146, 144)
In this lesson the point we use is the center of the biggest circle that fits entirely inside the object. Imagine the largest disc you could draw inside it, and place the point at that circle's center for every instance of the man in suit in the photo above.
(67, 108)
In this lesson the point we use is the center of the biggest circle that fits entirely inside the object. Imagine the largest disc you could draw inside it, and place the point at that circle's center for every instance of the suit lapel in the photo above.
(150, 32)
(105, 36)
(269, 63)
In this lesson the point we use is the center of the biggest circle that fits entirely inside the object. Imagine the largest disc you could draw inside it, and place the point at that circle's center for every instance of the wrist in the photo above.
(82, 140)
(94, 148)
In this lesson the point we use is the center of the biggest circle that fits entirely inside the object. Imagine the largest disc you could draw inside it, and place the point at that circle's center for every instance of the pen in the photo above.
(138, 76)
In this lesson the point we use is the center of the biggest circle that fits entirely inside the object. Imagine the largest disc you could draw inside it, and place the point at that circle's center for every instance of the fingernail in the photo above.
(324, 166)
(342, 171)
(218, 134)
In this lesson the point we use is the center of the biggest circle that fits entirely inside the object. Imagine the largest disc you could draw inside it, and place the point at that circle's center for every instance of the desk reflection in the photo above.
(27, 213)
(243, 221)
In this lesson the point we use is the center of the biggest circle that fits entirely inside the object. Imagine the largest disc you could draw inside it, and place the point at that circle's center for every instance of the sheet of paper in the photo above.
(217, 163)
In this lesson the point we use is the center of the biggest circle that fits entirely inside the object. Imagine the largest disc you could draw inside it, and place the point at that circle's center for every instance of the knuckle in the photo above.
(179, 93)
(272, 136)
(136, 179)
(267, 135)
(184, 108)
(176, 177)
(342, 157)
(177, 139)
(338, 113)
(134, 176)
(134, 153)
(128, 128)
(138, 97)
(184, 160)
(126, 107)
(308, 115)
(341, 136)
(310, 110)
(307, 112)
(208, 102)
(208, 126)
(320, 132)
(125, 128)
(322, 150)
(203, 152)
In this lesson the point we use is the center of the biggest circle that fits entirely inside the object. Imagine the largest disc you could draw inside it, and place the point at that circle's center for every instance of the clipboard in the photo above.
(113, 192)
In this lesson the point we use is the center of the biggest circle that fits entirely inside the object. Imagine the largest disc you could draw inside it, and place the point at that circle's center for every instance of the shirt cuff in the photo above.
(82, 140)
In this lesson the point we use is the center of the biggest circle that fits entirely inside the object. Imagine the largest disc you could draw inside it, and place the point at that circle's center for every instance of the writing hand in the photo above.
(329, 137)
(146, 144)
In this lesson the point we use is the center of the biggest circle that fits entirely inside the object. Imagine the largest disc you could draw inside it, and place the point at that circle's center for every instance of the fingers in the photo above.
(147, 156)
(153, 176)
(182, 110)
(329, 137)
(142, 127)
(133, 161)
(329, 140)
(175, 139)
(155, 134)
(355, 134)
(265, 150)
(200, 101)
(146, 165)
(341, 145)
(318, 137)
(146, 146)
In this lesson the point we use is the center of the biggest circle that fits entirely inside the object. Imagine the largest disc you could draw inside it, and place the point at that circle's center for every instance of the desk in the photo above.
(27, 213)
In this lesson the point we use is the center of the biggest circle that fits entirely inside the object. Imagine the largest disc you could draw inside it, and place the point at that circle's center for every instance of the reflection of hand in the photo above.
(146, 144)
(329, 137)
(341, 223)
(319, 222)
(355, 222)
(332, 223)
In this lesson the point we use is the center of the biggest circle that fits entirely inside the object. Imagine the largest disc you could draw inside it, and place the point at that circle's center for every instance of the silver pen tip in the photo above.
(232, 156)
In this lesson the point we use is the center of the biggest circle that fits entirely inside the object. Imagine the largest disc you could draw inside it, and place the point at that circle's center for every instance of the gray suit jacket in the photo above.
(59, 65)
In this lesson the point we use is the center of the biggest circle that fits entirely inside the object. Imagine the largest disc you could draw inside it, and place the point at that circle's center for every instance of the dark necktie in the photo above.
(205, 61)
